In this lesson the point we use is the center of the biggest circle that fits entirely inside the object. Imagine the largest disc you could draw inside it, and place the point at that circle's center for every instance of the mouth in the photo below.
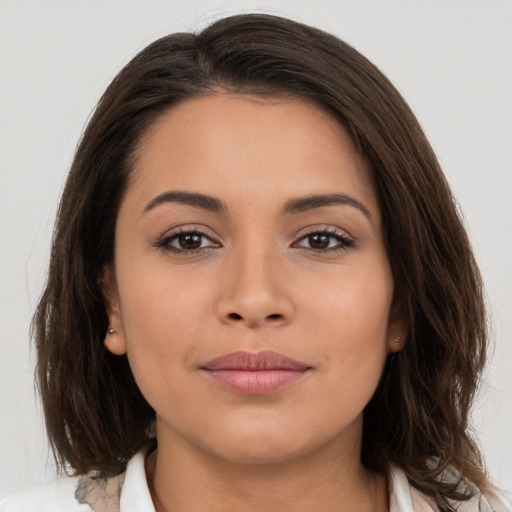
(255, 373)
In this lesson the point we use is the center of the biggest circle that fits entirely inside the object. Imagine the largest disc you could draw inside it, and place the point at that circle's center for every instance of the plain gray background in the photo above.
(452, 60)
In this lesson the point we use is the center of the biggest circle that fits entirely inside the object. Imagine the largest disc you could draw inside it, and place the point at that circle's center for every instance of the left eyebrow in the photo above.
(302, 204)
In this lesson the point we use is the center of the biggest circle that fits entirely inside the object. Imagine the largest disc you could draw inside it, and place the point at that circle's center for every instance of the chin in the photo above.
(252, 448)
(273, 454)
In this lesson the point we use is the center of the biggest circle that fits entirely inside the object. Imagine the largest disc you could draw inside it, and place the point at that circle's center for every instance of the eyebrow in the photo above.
(215, 205)
(187, 198)
(317, 201)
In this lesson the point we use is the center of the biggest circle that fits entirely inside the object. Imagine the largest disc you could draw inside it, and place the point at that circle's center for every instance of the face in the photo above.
(251, 288)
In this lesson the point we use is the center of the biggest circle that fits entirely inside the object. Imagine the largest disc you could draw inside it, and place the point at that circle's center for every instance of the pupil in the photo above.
(190, 241)
(319, 241)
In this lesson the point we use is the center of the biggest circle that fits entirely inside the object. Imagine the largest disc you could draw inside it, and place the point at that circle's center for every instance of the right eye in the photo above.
(186, 242)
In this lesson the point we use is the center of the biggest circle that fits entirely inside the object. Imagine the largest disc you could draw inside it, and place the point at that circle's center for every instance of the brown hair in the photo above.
(418, 418)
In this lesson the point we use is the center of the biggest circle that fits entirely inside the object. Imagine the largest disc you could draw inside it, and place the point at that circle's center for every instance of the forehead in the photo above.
(230, 145)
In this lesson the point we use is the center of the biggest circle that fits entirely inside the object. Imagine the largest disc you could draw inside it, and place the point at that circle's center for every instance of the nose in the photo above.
(254, 292)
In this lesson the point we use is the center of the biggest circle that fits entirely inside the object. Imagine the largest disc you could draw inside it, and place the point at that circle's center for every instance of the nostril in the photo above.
(237, 317)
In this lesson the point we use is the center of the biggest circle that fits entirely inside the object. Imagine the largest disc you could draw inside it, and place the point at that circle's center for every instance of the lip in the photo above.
(255, 373)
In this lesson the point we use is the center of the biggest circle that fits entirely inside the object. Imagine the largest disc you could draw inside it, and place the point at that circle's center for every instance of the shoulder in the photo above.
(57, 496)
(404, 497)
(127, 492)
(481, 501)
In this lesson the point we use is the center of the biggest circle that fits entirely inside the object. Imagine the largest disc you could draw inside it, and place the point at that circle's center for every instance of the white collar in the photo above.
(400, 499)
(135, 493)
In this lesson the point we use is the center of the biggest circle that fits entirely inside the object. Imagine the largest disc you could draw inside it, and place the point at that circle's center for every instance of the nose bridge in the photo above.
(255, 290)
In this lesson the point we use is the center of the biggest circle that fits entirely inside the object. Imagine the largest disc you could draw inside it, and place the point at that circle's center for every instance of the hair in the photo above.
(418, 418)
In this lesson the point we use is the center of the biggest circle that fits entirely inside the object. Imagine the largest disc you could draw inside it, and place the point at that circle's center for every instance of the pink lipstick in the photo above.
(255, 373)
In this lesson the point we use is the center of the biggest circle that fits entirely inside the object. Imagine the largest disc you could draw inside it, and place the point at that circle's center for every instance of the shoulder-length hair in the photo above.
(418, 418)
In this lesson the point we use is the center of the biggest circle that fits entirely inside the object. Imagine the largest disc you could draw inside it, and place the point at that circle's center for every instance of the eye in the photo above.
(325, 241)
(186, 242)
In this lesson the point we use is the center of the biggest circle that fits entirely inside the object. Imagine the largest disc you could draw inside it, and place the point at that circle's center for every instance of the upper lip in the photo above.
(259, 361)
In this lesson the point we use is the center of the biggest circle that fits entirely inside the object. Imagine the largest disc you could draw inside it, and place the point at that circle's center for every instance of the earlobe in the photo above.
(115, 342)
(114, 338)
(396, 341)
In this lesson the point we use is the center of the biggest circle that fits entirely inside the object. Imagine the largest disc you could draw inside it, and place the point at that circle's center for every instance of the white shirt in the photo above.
(129, 492)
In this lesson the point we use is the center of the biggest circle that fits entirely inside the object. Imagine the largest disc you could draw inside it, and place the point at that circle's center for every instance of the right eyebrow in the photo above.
(196, 200)
(302, 204)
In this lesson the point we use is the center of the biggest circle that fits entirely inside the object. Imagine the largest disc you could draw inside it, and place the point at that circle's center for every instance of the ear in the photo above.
(114, 337)
(398, 327)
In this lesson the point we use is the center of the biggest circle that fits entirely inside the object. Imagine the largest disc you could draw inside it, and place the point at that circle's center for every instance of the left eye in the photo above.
(322, 241)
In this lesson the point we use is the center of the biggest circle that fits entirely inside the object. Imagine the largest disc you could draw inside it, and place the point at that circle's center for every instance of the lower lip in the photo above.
(255, 382)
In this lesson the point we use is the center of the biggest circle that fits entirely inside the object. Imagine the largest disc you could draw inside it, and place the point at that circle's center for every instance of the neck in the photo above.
(185, 478)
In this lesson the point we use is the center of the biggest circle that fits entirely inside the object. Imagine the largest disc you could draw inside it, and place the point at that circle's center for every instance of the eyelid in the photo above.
(162, 242)
(189, 228)
(324, 228)
(346, 240)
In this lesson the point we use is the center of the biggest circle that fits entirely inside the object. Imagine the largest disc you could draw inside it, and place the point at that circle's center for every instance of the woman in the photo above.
(260, 295)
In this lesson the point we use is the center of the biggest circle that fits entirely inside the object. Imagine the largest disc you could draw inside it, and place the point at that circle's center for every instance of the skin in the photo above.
(257, 282)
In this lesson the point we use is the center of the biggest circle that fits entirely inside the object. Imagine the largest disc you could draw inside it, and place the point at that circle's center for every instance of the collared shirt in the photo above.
(129, 492)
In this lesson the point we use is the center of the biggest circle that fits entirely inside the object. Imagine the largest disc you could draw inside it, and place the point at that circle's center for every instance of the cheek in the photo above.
(159, 302)
(354, 302)
(161, 314)
(348, 318)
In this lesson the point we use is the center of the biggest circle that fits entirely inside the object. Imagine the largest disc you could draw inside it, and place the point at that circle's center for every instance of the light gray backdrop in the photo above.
(451, 59)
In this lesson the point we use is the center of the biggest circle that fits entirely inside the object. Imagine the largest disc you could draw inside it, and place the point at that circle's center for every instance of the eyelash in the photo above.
(164, 243)
(344, 241)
